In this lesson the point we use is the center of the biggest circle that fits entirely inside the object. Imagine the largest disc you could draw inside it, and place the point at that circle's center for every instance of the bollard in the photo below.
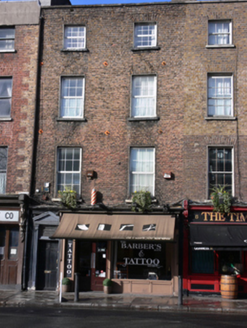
(77, 276)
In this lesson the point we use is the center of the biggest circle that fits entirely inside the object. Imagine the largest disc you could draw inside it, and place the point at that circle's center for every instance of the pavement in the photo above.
(194, 303)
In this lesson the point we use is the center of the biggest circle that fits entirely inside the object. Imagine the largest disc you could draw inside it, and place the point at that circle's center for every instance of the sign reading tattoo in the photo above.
(69, 257)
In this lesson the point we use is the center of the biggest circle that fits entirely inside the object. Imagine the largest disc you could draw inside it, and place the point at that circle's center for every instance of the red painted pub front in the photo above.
(214, 244)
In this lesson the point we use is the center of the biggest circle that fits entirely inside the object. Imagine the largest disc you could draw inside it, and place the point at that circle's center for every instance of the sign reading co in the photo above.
(9, 216)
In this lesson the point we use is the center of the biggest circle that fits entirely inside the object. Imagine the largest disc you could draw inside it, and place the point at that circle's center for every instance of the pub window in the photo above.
(202, 262)
(230, 262)
(142, 260)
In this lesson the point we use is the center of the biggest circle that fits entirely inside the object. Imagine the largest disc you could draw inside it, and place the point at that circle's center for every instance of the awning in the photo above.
(103, 226)
(213, 235)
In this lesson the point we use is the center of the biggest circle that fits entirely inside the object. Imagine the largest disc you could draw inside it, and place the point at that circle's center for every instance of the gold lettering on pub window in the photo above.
(221, 217)
(242, 218)
(205, 215)
(214, 215)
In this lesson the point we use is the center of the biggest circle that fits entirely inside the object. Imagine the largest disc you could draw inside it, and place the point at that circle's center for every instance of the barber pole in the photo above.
(93, 197)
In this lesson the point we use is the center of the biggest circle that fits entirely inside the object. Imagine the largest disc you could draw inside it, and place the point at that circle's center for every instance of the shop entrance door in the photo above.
(47, 265)
(98, 265)
(9, 238)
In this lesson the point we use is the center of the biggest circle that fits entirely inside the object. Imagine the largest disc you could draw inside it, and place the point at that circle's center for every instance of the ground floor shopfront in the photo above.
(12, 240)
(138, 252)
(215, 244)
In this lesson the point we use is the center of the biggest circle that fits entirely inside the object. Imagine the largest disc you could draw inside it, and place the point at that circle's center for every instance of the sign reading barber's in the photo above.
(9, 216)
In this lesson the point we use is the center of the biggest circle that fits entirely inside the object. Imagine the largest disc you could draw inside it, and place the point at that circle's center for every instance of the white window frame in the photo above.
(136, 173)
(7, 40)
(64, 172)
(3, 172)
(68, 97)
(143, 97)
(139, 37)
(219, 34)
(7, 96)
(218, 97)
(74, 38)
(210, 170)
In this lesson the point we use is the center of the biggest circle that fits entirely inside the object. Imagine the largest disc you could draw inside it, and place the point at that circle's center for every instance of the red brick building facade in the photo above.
(146, 97)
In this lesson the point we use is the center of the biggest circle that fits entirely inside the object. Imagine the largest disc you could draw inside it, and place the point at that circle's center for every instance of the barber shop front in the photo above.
(215, 244)
(138, 252)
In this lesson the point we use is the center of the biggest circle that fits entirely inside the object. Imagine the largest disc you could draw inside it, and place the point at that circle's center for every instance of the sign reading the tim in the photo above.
(9, 216)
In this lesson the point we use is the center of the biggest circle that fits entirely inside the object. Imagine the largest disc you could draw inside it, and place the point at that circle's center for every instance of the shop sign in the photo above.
(207, 216)
(147, 246)
(69, 257)
(9, 216)
(141, 259)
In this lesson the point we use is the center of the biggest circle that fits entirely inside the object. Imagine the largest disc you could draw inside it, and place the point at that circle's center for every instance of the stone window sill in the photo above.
(61, 119)
(219, 46)
(6, 119)
(75, 50)
(8, 51)
(145, 48)
(137, 119)
(220, 118)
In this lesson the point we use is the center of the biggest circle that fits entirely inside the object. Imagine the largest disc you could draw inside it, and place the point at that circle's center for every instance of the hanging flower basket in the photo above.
(221, 200)
(68, 197)
(141, 201)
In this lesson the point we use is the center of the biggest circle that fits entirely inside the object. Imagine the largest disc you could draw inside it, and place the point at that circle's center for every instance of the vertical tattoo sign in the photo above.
(69, 257)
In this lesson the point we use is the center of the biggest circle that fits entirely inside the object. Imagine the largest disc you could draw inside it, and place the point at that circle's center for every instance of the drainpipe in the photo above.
(34, 151)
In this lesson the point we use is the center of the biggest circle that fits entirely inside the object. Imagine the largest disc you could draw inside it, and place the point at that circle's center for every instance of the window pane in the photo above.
(219, 33)
(145, 35)
(143, 96)
(74, 37)
(72, 95)
(219, 95)
(202, 262)
(68, 163)
(220, 168)
(13, 243)
(142, 169)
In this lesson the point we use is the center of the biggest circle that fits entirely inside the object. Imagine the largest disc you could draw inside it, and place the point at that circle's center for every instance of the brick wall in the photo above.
(182, 134)
(17, 134)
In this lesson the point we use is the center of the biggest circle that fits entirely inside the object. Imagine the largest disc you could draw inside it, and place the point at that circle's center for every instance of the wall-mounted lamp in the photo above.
(90, 174)
(46, 187)
(167, 175)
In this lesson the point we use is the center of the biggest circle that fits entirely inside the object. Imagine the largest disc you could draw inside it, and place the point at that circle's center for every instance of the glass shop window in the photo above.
(100, 261)
(202, 262)
(13, 243)
(230, 262)
(142, 260)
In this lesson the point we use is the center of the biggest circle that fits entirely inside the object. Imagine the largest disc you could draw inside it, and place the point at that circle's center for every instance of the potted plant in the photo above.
(66, 283)
(141, 201)
(107, 285)
(221, 199)
(68, 197)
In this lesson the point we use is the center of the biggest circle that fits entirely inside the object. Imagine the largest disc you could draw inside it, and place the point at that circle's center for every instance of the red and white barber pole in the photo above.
(93, 196)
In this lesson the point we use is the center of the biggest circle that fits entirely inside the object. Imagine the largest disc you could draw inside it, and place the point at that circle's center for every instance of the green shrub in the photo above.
(66, 281)
(221, 200)
(141, 201)
(68, 197)
(107, 282)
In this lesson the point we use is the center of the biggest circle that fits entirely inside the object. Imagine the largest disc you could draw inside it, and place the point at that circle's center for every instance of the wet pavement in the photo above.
(195, 303)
